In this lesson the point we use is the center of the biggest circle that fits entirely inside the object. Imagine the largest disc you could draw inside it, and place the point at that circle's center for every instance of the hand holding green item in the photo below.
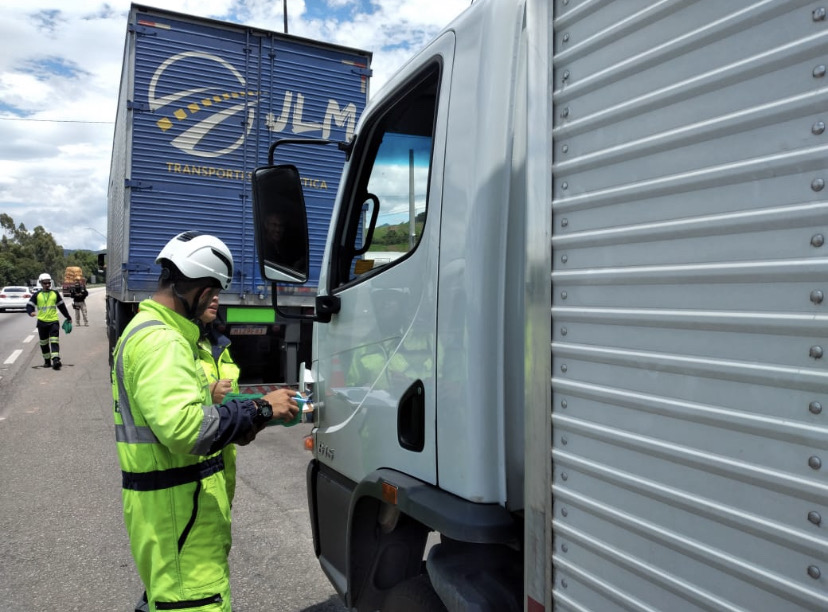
(67, 326)
(246, 396)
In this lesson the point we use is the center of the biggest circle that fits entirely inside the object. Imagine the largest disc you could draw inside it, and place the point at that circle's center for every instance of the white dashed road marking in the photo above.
(13, 357)
(28, 339)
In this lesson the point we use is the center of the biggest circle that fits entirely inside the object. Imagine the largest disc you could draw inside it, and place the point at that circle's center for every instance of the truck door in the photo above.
(378, 355)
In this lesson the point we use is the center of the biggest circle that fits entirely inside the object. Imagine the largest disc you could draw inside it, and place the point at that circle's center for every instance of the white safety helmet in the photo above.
(44, 277)
(198, 255)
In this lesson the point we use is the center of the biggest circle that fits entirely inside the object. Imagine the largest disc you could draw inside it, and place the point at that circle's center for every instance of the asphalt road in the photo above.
(63, 545)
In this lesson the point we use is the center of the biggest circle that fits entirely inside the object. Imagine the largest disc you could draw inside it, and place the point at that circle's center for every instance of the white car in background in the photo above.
(14, 296)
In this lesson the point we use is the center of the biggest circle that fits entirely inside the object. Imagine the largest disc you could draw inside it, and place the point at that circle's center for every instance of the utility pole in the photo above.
(284, 10)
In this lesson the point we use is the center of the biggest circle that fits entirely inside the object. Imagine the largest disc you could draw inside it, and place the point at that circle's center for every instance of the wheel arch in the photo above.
(390, 517)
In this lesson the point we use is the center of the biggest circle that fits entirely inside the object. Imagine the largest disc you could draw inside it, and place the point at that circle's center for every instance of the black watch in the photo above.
(264, 411)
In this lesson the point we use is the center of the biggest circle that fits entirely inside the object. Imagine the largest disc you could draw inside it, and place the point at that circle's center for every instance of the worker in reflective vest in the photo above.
(170, 434)
(222, 376)
(45, 305)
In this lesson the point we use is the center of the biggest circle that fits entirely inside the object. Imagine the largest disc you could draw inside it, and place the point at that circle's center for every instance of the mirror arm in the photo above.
(347, 148)
(284, 141)
(289, 315)
(327, 306)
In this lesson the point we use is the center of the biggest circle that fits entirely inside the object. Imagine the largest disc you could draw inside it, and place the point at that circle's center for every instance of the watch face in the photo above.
(266, 409)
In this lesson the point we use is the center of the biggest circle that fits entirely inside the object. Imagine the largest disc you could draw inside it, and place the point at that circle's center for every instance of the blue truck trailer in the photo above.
(199, 104)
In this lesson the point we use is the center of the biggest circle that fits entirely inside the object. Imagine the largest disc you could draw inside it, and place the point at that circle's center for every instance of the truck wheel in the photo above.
(413, 595)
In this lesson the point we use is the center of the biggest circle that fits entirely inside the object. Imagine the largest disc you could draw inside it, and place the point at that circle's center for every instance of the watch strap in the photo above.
(264, 411)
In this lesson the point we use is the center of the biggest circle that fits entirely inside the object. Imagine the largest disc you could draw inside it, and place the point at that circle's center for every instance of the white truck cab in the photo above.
(593, 365)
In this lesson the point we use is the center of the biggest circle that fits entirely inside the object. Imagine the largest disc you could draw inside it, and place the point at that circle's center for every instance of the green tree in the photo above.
(25, 255)
(391, 236)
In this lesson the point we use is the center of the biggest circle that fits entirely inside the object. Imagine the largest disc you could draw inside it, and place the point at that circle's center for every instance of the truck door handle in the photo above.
(411, 418)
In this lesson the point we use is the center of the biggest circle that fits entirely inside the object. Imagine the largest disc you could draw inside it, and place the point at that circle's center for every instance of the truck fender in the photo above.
(439, 510)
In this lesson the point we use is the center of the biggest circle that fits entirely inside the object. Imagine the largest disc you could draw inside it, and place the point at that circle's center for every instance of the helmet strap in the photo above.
(189, 309)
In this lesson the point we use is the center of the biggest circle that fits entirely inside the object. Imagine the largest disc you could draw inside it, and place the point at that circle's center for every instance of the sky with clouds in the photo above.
(60, 65)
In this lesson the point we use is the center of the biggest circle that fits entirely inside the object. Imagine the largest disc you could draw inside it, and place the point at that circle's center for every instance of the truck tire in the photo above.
(413, 595)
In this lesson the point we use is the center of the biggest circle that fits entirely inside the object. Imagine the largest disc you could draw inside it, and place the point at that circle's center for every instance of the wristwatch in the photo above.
(264, 411)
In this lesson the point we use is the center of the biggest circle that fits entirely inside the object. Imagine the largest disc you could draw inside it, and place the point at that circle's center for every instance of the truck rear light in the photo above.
(308, 443)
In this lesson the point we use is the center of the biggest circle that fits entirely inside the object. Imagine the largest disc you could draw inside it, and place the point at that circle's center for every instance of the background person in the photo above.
(170, 434)
(79, 295)
(222, 376)
(44, 304)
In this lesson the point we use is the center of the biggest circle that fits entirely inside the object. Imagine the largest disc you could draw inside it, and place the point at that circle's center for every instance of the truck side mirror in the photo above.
(281, 224)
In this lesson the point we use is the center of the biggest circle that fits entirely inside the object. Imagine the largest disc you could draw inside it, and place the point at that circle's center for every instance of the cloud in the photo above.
(60, 65)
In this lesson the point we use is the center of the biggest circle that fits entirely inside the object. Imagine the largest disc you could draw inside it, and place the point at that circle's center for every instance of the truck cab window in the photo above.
(388, 207)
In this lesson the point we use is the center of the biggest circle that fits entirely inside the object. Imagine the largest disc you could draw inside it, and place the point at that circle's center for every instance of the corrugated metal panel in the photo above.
(116, 198)
(687, 241)
(210, 98)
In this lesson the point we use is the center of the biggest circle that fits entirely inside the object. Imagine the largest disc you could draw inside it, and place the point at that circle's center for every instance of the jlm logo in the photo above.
(203, 113)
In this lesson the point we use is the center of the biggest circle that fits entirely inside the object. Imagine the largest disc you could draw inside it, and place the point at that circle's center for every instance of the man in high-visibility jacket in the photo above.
(170, 435)
(44, 304)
